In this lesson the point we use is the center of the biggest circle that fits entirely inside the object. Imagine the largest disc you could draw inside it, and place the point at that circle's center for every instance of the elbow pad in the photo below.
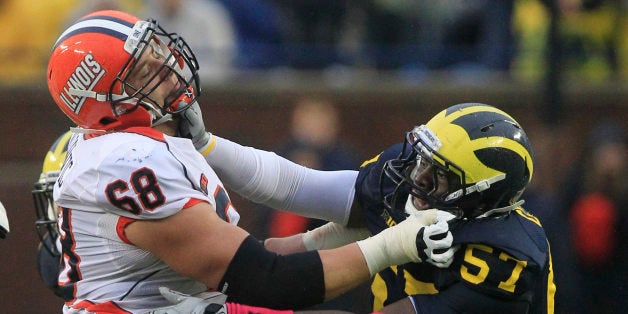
(259, 277)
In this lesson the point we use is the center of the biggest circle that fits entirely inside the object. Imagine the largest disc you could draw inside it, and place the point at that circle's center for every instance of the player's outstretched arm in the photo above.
(266, 178)
(327, 236)
(195, 242)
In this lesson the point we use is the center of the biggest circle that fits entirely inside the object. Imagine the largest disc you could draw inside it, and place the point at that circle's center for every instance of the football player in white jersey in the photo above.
(141, 210)
(49, 263)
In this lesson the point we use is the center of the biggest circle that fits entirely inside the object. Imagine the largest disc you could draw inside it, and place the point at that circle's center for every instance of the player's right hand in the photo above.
(421, 237)
(434, 244)
(192, 126)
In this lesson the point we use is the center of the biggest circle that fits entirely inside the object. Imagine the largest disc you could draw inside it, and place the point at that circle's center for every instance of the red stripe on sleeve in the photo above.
(122, 223)
(192, 202)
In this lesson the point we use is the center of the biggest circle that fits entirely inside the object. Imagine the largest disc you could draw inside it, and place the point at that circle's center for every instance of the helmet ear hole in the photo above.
(107, 120)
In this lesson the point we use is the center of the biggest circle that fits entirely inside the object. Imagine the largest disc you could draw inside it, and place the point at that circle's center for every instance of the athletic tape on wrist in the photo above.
(395, 245)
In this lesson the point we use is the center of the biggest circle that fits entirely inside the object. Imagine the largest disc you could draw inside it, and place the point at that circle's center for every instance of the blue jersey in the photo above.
(503, 264)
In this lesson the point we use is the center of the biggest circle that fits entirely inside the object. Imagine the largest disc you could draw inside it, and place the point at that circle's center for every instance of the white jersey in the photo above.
(106, 183)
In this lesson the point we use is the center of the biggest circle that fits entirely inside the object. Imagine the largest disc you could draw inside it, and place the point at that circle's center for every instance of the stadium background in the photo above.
(376, 108)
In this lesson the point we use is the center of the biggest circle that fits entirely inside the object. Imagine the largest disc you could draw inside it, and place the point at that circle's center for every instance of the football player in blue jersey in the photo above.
(472, 161)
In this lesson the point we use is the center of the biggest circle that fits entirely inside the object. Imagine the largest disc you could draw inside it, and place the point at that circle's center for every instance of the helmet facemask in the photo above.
(46, 211)
(141, 76)
(424, 176)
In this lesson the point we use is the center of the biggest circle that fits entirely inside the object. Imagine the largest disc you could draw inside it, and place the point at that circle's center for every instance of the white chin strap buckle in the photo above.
(163, 119)
(479, 186)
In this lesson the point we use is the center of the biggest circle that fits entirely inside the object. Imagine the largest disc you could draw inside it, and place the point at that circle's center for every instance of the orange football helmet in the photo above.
(89, 68)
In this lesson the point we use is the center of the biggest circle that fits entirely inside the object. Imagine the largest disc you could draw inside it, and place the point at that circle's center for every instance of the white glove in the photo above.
(192, 126)
(430, 238)
(442, 215)
(434, 244)
(416, 239)
(207, 302)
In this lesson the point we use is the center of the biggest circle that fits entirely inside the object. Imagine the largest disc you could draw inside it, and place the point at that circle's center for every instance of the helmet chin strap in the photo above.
(159, 117)
(156, 116)
(501, 209)
(441, 215)
(160, 120)
(410, 209)
(477, 187)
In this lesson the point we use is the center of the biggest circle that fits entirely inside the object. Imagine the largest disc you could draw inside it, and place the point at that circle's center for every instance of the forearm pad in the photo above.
(258, 277)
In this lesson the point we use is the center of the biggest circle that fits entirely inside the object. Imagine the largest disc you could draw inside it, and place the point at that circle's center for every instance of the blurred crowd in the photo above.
(585, 216)
(408, 36)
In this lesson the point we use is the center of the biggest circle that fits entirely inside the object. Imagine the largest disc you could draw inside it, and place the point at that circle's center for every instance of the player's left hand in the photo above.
(208, 302)
(192, 126)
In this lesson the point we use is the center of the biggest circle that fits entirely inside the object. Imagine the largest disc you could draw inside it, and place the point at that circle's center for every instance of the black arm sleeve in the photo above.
(258, 277)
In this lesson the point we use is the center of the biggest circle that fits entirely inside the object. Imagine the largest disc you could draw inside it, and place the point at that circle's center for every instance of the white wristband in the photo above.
(395, 245)
(332, 235)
